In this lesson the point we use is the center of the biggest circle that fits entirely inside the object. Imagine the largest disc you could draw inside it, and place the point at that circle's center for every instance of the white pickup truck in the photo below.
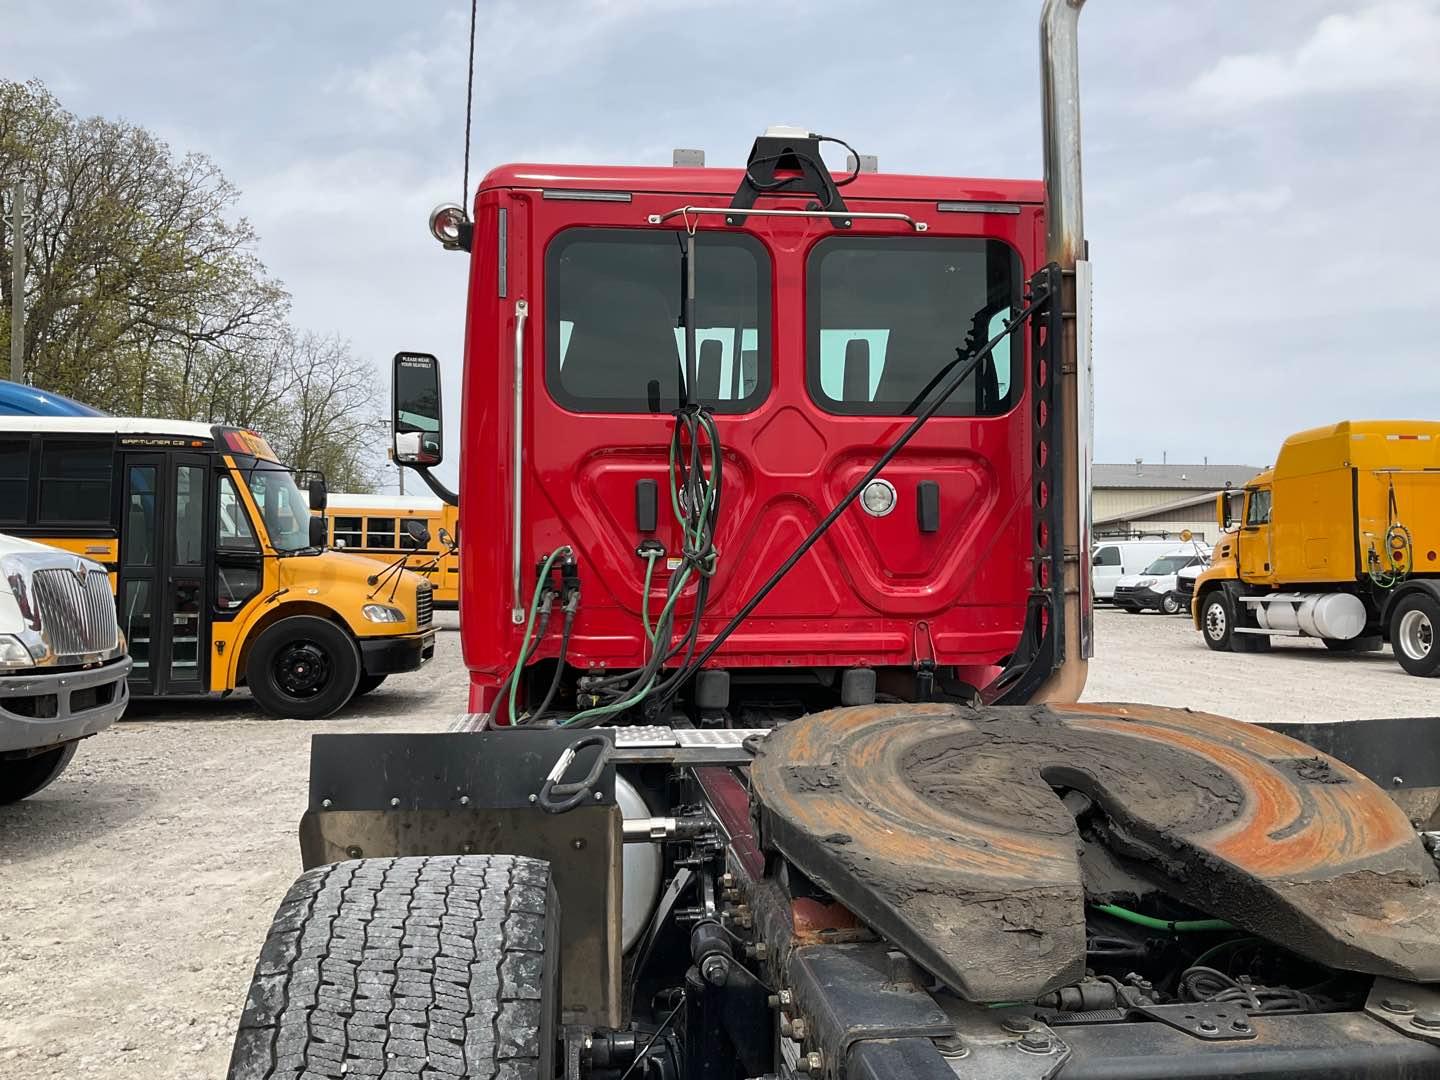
(62, 662)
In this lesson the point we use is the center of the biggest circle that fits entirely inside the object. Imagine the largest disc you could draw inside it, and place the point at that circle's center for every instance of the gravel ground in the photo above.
(138, 888)
(1162, 660)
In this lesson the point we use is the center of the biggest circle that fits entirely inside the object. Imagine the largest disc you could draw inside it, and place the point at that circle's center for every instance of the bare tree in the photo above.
(331, 416)
(146, 296)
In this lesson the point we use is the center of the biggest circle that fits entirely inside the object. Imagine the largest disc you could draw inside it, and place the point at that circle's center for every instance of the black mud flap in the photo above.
(478, 793)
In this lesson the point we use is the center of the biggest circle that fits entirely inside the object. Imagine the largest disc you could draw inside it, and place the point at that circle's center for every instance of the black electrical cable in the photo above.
(469, 98)
(703, 511)
(559, 664)
(884, 459)
(819, 166)
(654, 1038)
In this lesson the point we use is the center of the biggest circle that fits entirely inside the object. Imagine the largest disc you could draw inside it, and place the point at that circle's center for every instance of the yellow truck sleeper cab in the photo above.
(1340, 541)
(219, 580)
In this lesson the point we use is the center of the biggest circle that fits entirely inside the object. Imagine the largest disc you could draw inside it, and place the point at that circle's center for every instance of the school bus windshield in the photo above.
(283, 506)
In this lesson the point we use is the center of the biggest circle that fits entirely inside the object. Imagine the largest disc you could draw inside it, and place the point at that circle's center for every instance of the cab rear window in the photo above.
(614, 341)
(885, 316)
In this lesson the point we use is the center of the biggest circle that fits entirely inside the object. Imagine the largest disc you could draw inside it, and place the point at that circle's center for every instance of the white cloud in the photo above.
(395, 87)
(1393, 45)
(1234, 203)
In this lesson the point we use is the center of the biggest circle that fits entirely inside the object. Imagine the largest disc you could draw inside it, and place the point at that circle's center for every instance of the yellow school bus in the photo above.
(220, 578)
(388, 527)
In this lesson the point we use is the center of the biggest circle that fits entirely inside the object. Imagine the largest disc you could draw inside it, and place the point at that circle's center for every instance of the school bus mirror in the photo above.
(417, 534)
(319, 497)
(1222, 510)
(446, 539)
(317, 531)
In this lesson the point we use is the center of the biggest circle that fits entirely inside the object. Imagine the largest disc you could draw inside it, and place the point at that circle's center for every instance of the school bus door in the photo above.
(161, 588)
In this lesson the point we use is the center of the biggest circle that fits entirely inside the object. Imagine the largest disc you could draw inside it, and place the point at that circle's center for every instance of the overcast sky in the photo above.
(1261, 178)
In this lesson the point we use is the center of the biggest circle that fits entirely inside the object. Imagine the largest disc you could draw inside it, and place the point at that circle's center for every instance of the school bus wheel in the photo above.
(303, 667)
(368, 683)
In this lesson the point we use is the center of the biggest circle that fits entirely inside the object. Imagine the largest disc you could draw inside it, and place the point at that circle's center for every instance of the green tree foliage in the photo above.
(145, 295)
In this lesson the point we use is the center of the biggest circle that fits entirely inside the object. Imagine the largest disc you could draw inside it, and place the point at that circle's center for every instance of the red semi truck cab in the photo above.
(817, 335)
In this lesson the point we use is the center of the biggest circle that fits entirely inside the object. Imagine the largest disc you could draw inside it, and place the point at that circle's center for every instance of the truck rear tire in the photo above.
(22, 777)
(303, 667)
(416, 967)
(1413, 623)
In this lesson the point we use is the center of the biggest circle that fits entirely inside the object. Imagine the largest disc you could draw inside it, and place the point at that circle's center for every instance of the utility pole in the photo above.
(385, 426)
(17, 282)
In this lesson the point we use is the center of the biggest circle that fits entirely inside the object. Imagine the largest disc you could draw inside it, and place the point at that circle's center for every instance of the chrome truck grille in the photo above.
(424, 606)
(77, 611)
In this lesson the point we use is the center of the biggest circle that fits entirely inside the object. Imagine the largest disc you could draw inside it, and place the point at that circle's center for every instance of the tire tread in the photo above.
(425, 967)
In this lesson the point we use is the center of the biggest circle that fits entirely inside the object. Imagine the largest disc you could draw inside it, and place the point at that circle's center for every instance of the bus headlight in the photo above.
(13, 652)
(383, 613)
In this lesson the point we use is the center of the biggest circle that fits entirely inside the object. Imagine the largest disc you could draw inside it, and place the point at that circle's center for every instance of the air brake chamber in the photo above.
(953, 832)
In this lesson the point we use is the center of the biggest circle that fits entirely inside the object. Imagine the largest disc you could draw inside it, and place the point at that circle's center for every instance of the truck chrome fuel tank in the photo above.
(640, 881)
(1339, 616)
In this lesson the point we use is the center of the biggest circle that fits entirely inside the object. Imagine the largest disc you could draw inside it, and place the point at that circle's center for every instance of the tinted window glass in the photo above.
(380, 532)
(1258, 511)
(139, 523)
(613, 338)
(234, 531)
(347, 529)
(234, 585)
(885, 316)
(284, 508)
(75, 481)
(14, 479)
(189, 515)
(1107, 556)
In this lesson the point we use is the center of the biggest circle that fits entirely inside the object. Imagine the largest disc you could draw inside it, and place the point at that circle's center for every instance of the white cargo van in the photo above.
(1114, 559)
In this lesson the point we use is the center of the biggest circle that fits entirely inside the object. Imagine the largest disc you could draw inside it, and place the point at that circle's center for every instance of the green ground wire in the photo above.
(530, 624)
(650, 557)
(611, 709)
(1179, 926)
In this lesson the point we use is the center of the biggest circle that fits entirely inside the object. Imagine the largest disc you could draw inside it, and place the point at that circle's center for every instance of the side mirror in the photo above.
(447, 539)
(416, 421)
(318, 530)
(319, 498)
(417, 533)
(1222, 510)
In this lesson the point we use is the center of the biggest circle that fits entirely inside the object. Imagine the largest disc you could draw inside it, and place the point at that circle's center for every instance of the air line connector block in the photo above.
(548, 586)
(570, 582)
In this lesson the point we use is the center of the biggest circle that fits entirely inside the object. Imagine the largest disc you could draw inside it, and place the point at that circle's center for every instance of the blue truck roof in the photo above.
(16, 399)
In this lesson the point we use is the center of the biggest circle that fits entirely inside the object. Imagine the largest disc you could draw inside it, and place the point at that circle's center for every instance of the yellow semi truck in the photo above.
(1340, 540)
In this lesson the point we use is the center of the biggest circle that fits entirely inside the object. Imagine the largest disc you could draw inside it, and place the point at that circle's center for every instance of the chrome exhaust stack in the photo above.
(1065, 245)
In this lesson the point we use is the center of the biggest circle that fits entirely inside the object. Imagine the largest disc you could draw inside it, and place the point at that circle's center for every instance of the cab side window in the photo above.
(1257, 509)
(234, 532)
(1107, 556)
(236, 579)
